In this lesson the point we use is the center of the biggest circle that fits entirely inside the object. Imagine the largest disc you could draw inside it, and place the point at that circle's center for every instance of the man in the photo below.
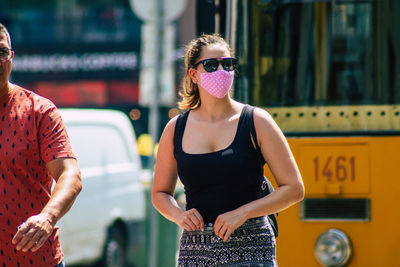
(34, 150)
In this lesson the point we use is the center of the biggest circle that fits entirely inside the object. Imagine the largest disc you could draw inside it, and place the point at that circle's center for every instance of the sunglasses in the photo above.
(6, 54)
(211, 64)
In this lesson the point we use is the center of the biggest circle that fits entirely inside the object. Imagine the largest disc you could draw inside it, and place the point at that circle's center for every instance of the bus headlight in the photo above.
(333, 248)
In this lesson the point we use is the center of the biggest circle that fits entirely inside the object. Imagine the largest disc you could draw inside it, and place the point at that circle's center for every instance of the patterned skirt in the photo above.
(251, 245)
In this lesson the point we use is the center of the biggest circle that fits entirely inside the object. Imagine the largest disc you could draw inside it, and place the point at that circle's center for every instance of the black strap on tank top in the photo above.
(180, 128)
(249, 110)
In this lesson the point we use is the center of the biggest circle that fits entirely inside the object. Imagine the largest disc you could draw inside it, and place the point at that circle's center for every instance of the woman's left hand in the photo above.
(228, 222)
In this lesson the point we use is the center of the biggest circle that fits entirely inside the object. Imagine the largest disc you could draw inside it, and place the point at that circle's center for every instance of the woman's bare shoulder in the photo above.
(261, 114)
(264, 122)
(170, 127)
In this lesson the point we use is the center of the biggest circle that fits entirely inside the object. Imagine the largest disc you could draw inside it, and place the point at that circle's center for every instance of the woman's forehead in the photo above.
(214, 51)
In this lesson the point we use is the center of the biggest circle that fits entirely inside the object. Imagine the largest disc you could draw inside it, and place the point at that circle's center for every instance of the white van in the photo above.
(107, 219)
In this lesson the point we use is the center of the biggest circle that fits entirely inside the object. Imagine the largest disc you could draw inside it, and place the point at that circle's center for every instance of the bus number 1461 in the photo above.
(340, 167)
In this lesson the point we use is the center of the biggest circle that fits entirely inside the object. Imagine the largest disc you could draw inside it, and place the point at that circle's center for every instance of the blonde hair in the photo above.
(190, 97)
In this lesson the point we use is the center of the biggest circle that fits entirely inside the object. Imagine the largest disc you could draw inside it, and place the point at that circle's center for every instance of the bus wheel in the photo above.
(114, 249)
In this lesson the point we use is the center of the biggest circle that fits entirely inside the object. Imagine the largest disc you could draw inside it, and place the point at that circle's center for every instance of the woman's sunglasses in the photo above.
(211, 64)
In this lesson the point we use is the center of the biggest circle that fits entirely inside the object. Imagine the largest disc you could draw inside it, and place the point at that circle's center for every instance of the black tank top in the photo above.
(224, 180)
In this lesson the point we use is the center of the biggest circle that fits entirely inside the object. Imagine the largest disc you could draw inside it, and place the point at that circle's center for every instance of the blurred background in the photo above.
(84, 53)
(328, 71)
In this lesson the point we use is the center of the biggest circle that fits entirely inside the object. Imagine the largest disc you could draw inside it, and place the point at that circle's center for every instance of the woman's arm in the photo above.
(282, 164)
(280, 160)
(165, 177)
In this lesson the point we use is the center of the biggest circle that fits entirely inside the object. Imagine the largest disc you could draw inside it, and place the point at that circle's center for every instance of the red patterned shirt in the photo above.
(31, 134)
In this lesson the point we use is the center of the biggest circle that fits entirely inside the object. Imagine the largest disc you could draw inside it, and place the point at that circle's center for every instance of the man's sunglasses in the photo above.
(6, 54)
(211, 64)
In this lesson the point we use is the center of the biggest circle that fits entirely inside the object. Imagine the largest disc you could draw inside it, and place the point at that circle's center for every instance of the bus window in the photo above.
(389, 53)
(320, 65)
(316, 54)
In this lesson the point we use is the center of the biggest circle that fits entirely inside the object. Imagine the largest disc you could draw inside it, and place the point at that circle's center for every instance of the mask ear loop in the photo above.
(12, 54)
(191, 77)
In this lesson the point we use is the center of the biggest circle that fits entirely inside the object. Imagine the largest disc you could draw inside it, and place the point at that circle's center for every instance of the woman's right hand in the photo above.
(191, 220)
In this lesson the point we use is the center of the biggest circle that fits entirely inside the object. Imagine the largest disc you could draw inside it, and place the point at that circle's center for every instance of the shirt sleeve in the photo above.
(52, 135)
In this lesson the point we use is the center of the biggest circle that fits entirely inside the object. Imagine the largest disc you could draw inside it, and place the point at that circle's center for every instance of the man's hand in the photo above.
(228, 222)
(32, 234)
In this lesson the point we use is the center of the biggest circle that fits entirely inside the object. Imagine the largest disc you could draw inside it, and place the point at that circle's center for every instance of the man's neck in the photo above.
(6, 89)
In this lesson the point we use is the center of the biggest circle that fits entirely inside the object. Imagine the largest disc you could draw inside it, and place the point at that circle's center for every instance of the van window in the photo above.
(98, 145)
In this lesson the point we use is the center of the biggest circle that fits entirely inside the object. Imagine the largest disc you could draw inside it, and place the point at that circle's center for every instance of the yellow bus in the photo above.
(329, 73)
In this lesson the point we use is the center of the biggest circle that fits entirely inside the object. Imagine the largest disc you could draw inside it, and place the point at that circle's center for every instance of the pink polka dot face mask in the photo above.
(217, 83)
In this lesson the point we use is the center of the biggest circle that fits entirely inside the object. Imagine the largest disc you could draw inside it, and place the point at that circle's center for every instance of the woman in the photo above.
(218, 147)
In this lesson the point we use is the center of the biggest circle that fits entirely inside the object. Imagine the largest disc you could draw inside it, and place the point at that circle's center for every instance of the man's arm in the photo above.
(36, 230)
